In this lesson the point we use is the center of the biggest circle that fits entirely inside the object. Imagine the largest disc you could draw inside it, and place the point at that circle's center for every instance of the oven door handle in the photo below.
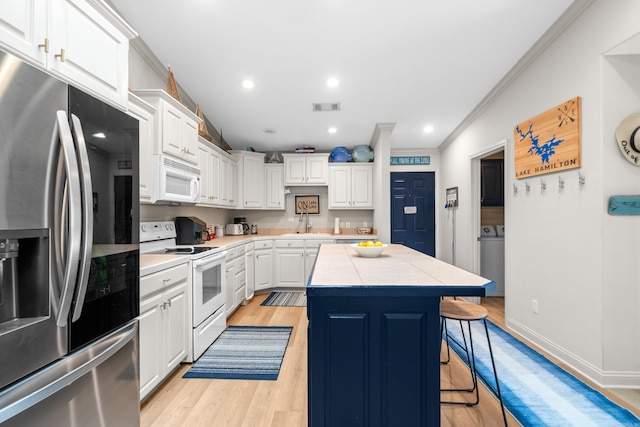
(214, 259)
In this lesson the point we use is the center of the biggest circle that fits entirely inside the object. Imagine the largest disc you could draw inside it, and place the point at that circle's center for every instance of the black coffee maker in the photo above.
(243, 221)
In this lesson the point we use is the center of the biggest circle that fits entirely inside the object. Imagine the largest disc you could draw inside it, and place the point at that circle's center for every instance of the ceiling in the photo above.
(414, 63)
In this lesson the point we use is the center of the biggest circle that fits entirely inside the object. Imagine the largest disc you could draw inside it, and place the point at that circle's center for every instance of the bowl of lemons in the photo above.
(369, 249)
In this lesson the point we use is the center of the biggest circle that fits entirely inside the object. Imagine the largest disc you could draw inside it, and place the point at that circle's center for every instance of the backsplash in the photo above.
(267, 218)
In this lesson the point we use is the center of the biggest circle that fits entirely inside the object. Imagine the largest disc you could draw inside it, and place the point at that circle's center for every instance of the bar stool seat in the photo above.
(464, 311)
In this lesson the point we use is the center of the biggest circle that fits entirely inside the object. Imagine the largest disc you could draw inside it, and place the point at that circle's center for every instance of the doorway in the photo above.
(413, 212)
(488, 212)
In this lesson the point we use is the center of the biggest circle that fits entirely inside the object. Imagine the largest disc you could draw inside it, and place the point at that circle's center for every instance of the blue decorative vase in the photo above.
(340, 155)
(362, 153)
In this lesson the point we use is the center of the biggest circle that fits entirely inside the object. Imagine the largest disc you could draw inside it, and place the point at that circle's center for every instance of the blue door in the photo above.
(413, 214)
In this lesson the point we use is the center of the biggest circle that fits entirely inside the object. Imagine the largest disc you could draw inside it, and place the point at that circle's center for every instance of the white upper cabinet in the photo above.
(250, 179)
(83, 42)
(144, 112)
(351, 186)
(274, 186)
(176, 127)
(305, 169)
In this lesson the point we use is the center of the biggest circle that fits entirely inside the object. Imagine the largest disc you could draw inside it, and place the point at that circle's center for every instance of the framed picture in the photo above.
(308, 204)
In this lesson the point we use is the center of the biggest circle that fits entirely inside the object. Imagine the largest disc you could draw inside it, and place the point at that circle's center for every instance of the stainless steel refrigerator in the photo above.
(69, 255)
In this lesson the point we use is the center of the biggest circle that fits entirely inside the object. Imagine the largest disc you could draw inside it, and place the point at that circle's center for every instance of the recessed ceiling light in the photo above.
(99, 135)
(333, 82)
(247, 84)
(428, 129)
(332, 129)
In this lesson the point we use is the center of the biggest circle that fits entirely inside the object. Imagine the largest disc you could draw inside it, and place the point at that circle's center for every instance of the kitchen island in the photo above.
(374, 335)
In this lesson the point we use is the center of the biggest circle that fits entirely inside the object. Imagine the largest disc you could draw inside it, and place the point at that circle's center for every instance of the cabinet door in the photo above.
(229, 289)
(274, 186)
(214, 174)
(144, 113)
(339, 187)
(190, 140)
(263, 269)
(205, 175)
(492, 182)
(96, 53)
(252, 182)
(316, 169)
(150, 336)
(177, 326)
(294, 171)
(171, 134)
(290, 268)
(309, 259)
(250, 274)
(23, 28)
(361, 187)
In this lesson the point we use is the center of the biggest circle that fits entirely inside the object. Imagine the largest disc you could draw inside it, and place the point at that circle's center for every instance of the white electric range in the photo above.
(207, 273)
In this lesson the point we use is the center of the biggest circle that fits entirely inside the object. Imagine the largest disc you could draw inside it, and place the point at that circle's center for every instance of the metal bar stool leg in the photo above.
(495, 373)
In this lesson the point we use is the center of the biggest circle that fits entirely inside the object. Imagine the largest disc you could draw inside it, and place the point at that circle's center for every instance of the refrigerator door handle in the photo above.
(74, 222)
(62, 374)
(87, 216)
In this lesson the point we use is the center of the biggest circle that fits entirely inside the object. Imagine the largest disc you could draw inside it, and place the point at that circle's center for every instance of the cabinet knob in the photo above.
(166, 280)
(60, 55)
(45, 45)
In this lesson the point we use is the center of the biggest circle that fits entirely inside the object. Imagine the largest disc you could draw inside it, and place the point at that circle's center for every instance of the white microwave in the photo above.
(174, 181)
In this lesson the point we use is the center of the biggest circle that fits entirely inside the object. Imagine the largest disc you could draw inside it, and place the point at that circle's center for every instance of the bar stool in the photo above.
(464, 311)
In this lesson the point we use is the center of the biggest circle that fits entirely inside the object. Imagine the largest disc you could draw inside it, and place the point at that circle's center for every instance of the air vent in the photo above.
(326, 107)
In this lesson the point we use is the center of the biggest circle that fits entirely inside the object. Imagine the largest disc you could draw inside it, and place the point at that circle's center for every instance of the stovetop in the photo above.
(159, 238)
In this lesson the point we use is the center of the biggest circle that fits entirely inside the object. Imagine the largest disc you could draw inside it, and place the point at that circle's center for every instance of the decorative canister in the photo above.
(362, 153)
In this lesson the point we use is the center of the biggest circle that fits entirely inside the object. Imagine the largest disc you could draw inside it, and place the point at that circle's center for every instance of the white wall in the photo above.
(562, 248)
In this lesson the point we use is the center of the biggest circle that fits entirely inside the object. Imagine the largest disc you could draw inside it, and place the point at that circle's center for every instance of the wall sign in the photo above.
(549, 142)
(308, 204)
(410, 160)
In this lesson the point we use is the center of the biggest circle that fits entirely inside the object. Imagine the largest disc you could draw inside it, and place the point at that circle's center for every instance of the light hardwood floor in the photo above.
(283, 403)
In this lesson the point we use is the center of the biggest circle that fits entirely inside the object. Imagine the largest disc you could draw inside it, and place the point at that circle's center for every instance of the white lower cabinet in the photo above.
(250, 266)
(164, 325)
(263, 264)
(290, 263)
(235, 278)
(294, 261)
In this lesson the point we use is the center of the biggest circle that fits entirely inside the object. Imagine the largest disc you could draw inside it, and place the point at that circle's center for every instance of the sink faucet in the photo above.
(307, 224)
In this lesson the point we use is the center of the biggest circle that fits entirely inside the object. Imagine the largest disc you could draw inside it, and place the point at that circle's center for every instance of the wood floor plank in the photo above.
(282, 403)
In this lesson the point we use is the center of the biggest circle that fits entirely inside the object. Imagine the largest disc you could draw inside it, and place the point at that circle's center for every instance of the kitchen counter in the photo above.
(374, 335)
(153, 263)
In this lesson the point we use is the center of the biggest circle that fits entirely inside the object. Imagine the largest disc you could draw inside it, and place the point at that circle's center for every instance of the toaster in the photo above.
(234, 230)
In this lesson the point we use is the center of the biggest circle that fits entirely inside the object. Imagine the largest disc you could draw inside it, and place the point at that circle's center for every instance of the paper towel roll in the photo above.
(336, 227)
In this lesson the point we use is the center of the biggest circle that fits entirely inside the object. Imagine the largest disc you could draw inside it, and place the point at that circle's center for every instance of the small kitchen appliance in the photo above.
(190, 230)
(243, 221)
(234, 230)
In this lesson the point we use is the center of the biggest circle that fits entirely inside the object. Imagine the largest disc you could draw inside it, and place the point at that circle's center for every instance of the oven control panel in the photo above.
(157, 230)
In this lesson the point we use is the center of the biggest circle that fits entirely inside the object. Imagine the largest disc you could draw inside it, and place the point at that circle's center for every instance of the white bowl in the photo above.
(368, 251)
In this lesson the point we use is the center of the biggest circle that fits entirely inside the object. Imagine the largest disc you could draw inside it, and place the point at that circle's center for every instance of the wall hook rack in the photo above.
(560, 183)
(527, 186)
(515, 189)
(543, 185)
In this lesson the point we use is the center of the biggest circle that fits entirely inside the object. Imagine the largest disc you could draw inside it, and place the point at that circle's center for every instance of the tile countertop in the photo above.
(397, 267)
(150, 264)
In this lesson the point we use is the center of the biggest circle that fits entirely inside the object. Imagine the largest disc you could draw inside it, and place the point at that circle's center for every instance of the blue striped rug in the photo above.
(535, 390)
(244, 352)
(286, 299)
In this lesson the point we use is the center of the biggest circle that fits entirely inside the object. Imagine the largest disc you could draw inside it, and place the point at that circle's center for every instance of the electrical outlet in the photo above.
(534, 306)
(347, 224)
(291, 219)
(364, 224)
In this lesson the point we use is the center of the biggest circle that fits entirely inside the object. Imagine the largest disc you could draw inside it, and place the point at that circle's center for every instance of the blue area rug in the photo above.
(286, 299)
(244, 352)
(535, 390)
